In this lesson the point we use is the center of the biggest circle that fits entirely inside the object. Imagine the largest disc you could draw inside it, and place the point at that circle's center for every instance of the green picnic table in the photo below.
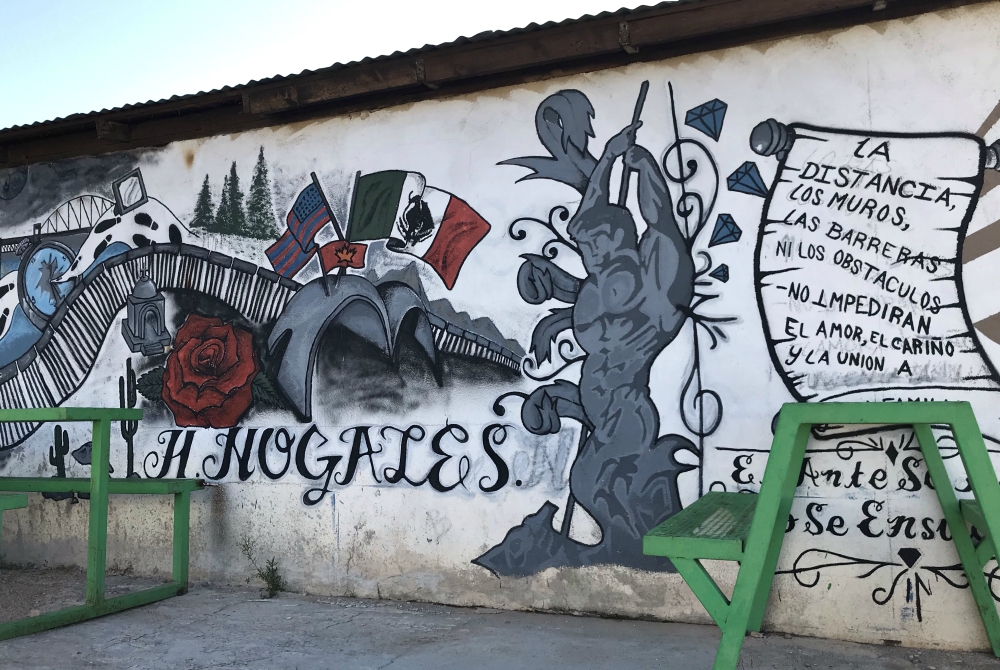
(749, 528)
(99, 486)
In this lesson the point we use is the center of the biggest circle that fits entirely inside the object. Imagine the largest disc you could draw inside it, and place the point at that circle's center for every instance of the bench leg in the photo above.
(763, 591)
(728, 654)
(753, 586)
(753, 583)
(956, 523)
(97, 536)
(704, 587)
(182, 516)
(788, 476)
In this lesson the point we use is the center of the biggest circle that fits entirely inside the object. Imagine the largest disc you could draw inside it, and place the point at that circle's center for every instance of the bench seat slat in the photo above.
(82, 485)
(70, 414)
(713, 527)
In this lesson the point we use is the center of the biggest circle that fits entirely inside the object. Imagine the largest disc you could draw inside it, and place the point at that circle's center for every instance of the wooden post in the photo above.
(182, 517)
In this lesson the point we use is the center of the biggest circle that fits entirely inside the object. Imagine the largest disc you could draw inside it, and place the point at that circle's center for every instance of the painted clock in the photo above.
(12, 183)
(38, 281)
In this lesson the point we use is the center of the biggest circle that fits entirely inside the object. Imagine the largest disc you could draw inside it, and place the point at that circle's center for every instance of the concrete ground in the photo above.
(30, 591)
(232, 627)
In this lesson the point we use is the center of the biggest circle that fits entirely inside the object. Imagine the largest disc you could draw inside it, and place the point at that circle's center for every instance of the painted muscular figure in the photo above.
(630, 306)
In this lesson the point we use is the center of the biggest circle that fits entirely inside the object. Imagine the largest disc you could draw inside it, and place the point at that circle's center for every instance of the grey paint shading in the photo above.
(376, 315)
(637, 295)
(44, 186)
(480, 328)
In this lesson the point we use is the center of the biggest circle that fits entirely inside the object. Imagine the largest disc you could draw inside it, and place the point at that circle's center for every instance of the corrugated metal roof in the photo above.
(277, 79)
(482, 61)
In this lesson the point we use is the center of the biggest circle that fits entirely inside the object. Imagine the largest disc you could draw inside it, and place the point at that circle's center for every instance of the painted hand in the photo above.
(636, 155)
(621, 142)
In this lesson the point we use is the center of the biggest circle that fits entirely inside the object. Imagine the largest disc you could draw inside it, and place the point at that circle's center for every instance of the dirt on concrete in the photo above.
(30, 591)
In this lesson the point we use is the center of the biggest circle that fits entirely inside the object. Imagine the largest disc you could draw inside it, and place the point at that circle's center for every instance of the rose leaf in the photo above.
(150, 385)
(265, 393)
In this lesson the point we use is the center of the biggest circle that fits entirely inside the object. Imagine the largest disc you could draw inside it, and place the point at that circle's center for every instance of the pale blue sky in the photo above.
(59, 57)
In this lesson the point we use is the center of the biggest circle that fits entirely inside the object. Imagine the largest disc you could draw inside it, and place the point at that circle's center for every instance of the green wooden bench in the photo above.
(749, 528)
(99, 486)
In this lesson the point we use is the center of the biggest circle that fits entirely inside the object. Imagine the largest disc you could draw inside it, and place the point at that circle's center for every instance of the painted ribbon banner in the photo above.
(857, 279)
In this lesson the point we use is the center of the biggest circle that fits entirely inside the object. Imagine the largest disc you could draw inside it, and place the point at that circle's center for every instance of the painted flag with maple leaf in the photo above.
(342, 254)
(415, 219)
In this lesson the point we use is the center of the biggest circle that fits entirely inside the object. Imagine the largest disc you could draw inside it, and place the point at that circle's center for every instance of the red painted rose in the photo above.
(209, 372)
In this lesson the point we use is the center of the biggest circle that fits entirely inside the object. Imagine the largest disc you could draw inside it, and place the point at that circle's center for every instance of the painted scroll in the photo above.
(858, 285)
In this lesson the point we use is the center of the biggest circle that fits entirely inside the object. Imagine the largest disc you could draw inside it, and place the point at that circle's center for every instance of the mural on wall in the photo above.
(243, 336)
(307, 323)
(638, 293)
(215, 340)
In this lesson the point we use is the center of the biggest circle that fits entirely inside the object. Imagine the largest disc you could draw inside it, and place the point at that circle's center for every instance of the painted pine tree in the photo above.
(237, 210)
(260, 209)
(223, 215)
(204, 218)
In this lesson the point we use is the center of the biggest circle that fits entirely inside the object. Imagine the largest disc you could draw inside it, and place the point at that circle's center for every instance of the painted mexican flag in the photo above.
(416, 219)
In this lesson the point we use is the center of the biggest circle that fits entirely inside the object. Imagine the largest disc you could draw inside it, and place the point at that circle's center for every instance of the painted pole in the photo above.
(640, 101)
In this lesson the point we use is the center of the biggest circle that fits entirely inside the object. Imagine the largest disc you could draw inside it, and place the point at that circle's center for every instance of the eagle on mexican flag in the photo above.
(415, 219)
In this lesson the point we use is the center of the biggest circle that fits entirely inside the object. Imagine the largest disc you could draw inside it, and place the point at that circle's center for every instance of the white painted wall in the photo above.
(929, 74)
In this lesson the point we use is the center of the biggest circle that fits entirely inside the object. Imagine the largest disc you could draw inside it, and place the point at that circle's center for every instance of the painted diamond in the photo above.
(747, 179)
(909, 555)
(725, 231)
(708, 118)
(721, 273)
(892, 453)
